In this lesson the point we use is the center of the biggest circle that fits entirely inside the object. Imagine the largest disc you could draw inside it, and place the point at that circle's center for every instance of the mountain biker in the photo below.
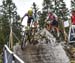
(53, 21)
(30, 16)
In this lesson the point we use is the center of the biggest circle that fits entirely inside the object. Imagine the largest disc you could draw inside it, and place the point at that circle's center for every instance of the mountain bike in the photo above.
(29, 38)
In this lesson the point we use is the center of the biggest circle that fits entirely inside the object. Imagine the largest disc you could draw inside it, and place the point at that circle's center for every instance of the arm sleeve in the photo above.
(24, 16)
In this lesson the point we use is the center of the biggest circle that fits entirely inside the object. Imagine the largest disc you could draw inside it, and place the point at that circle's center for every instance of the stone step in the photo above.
(43, 52)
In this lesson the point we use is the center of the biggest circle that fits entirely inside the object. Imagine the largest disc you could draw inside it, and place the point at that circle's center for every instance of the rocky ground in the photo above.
(51, 52)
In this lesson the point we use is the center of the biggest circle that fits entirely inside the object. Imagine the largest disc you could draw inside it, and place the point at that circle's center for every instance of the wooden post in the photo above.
(11, 35)
(11, 38)
(65, 34)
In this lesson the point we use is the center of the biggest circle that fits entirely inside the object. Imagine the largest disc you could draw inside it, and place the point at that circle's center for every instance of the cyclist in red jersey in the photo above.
(53, 21)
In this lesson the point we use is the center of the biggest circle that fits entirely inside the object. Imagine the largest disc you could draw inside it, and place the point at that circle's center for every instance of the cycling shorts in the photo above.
(29, 19)
(54, 23)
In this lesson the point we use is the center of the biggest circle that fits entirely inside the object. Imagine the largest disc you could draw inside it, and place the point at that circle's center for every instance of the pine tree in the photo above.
(60, 9)
(72, 4)
(9, 15)
(35, 10)
(62, 12)
(47, 7)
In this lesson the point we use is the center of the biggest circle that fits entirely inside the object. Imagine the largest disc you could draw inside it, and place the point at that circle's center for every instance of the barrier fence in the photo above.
(10, 57)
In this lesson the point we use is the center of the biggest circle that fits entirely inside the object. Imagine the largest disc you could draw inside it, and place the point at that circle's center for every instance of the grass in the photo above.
(0, 59)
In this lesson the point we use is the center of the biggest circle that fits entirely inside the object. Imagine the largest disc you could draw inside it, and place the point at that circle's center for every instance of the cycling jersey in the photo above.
(51, 17)
(73, 20)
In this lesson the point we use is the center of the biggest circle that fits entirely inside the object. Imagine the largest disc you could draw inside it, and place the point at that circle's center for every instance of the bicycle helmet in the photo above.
(30, 12)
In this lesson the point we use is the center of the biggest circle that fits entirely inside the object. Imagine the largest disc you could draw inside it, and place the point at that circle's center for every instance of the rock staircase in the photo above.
(51, 52)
